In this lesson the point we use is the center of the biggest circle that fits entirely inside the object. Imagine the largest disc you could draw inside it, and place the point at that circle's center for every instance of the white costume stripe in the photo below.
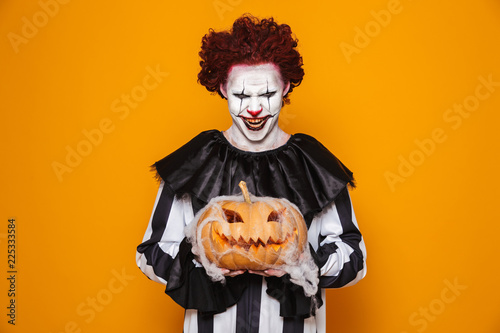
(362, 273)
(140, 258)
(190, 321)
(181, 214)
(149, 229)
(225, 322)
(329, 225)
(321, 315)
(181, 211)
(270, 320)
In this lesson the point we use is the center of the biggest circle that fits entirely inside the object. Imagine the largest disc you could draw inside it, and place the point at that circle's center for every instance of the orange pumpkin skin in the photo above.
(252, 236)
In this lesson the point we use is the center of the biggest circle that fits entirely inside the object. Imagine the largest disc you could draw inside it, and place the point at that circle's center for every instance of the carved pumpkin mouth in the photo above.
(251, 244)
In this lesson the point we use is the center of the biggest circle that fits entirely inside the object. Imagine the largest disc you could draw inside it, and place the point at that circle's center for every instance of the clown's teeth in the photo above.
(255, 124)
(254, 121)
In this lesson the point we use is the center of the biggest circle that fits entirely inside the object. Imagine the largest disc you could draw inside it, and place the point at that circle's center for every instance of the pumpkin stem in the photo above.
(244, 190)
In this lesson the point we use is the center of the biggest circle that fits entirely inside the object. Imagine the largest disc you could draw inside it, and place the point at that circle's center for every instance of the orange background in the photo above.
(382, 78)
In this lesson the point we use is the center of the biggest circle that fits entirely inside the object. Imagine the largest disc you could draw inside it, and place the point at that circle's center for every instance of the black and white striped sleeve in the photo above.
(335, 236)
(164, 234)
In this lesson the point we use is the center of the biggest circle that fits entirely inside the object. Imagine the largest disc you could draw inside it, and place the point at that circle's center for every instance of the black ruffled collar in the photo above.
(302, 171)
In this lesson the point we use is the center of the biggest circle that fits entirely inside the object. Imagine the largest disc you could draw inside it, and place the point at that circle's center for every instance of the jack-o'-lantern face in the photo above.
(252, 235)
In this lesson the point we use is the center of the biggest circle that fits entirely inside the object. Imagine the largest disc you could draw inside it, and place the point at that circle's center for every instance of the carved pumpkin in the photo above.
(255, 235)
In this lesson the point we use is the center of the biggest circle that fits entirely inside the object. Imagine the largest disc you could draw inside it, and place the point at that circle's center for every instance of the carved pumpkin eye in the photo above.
(275, 216)
(232, 216)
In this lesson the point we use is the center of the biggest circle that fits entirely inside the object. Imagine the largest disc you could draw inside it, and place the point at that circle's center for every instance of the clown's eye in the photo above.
(275, 216)
(232, 216)
(269, 94)
(241, 96)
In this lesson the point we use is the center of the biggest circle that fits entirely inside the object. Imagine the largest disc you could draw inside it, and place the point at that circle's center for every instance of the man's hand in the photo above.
(269, 272)
(266, 273)
(230, 273)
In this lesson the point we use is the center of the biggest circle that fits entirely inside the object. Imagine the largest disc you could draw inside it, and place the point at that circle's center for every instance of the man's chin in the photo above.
(251, 136)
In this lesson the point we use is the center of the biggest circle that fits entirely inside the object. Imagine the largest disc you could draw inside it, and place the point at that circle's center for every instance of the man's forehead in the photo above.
(254, 75)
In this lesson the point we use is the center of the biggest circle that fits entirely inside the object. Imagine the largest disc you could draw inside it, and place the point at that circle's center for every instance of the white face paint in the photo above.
(254, 95)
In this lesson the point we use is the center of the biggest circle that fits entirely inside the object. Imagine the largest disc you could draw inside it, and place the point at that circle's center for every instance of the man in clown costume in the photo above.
(254, 66)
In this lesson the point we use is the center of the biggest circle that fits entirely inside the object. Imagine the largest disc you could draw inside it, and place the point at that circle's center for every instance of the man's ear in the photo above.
(223, 90)
(287, 87)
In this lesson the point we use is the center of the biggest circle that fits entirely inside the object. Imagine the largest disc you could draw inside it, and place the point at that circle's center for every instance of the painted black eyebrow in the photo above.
(241, 95)
(268, 93)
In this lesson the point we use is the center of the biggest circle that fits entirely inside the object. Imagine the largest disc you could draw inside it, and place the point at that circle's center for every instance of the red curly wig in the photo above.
(251, 42)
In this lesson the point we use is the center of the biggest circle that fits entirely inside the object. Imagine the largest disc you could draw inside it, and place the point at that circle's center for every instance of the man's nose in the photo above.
(254, 113)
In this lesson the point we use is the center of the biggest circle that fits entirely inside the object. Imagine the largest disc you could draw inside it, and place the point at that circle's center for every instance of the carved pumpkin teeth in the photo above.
(276, 247)
(272, 241)
(260, 242)
(256, 243)
(222, 240)
(241, 243)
